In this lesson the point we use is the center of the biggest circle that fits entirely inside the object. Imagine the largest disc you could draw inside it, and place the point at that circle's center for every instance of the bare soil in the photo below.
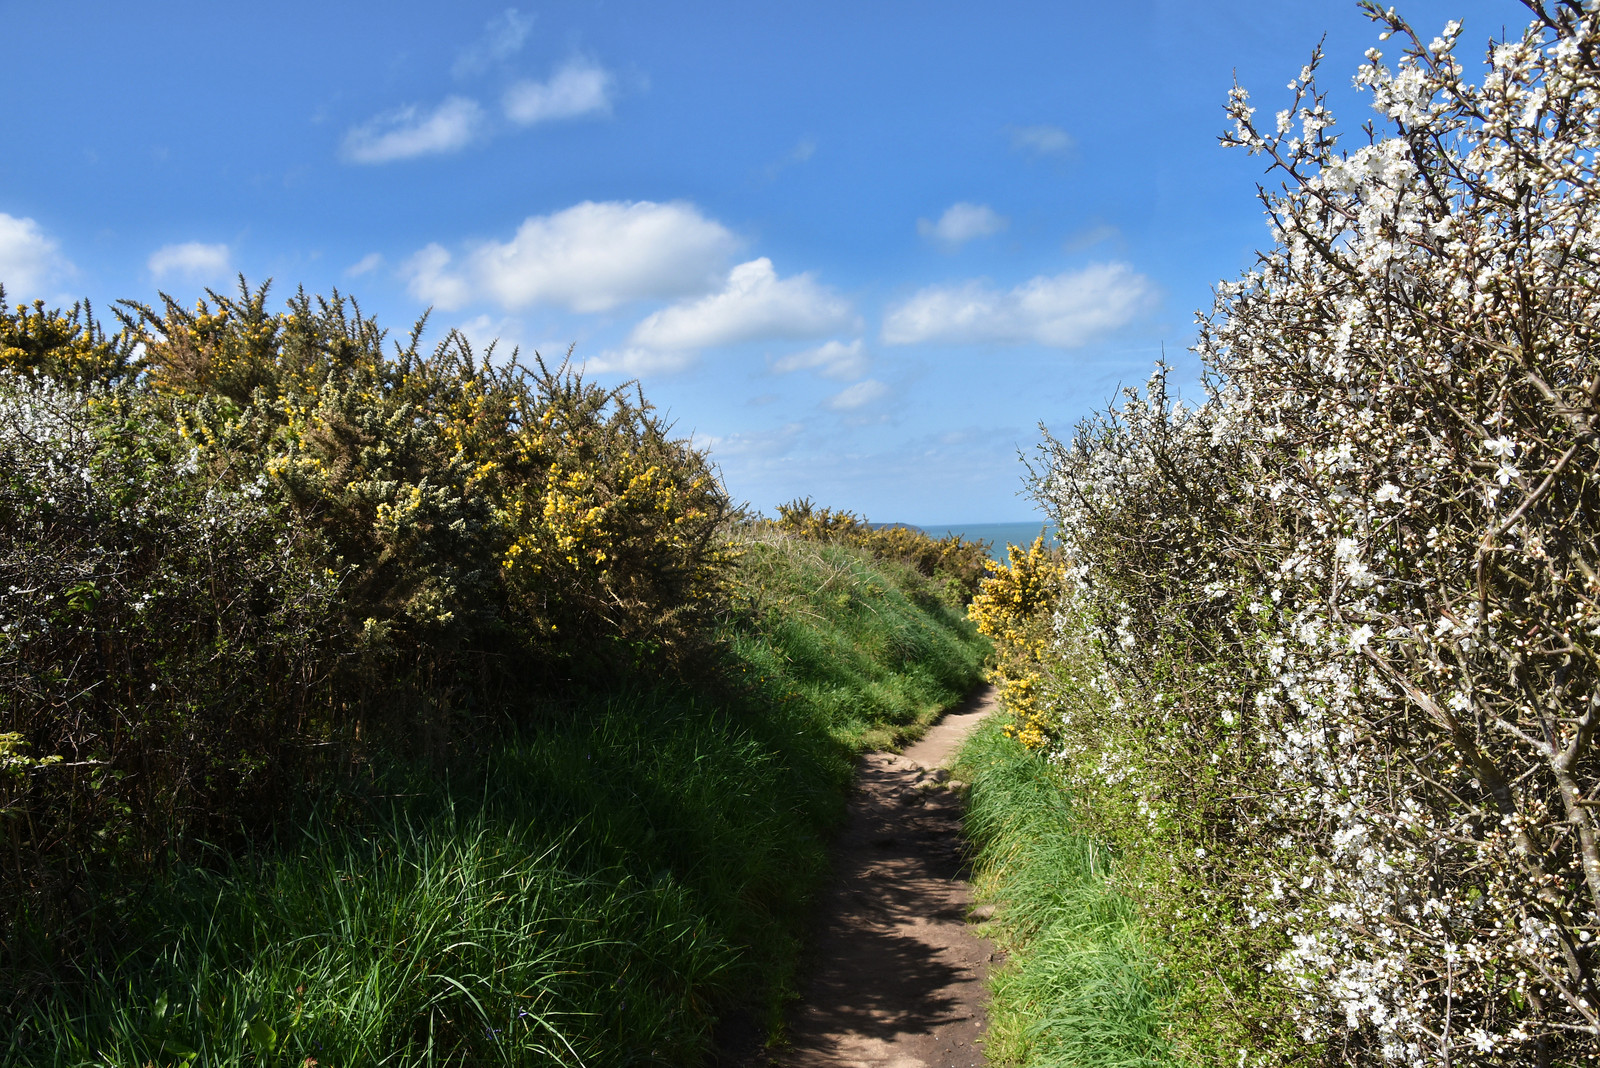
(897, 974)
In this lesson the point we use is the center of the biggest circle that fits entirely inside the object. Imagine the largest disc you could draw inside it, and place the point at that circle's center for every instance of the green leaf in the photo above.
(261, 1035)
(179, 1048)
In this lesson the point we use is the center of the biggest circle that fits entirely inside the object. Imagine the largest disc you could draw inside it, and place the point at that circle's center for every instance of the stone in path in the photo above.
(897, 977)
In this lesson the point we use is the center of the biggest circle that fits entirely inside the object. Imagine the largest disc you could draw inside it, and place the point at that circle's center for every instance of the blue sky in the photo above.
(858, 250)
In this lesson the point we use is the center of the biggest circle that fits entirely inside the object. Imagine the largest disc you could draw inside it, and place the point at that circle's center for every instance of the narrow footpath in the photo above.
(897, 979)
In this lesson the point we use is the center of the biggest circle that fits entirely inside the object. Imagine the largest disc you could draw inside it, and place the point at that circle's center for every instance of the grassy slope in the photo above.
(598, 891)
(1079, 988)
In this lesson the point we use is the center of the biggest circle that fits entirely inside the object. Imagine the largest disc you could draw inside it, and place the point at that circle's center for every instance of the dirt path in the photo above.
(897, 979)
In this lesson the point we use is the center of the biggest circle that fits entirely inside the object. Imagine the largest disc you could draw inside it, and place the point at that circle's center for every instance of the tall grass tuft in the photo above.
(1080, 987)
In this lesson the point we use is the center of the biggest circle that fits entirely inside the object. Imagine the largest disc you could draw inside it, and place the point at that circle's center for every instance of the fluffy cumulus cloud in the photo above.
(587, 258)
(408, 132)
(1042, 140)
(834, 359)
(191, 261)
(754, 303)
(29, 258)
(579, 88)
(1063, 311)
(962, 222)
(430, 280)
(503, 37)
(858, 396)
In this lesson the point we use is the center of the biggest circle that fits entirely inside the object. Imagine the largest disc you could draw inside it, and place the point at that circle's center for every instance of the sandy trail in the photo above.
(897, 974)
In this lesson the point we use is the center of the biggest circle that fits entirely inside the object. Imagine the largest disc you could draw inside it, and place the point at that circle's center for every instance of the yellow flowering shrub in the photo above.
(241, 548)
(67, 346)
(470, 494)
(955, 564)
(1015, 606)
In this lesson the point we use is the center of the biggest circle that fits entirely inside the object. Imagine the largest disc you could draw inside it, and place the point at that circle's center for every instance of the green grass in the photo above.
(1080, 988)
(868, 646)
(599, 890)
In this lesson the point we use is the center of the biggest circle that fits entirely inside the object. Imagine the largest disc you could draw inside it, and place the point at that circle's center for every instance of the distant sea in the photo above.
(998, 535)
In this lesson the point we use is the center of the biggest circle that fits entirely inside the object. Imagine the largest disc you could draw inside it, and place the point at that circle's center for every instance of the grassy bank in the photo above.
(1079, 988)
(602, 887)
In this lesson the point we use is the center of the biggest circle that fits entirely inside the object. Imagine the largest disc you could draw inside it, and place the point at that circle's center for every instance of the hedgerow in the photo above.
(245, 553)
(1326, 675)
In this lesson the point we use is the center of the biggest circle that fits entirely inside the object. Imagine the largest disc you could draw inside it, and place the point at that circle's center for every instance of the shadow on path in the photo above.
(897, 976)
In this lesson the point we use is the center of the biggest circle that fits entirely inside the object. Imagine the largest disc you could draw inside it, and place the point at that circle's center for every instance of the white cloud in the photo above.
(594, 256)
(503, 37)
(29, 259)
(1065, 311)
(581, 87)
(858, 395)
(835, 359)
(191, 261)
(368, 263)
(429, 279)
(638, 361)
(1044, 139)
(481, 331)
(409, 132)
(755, 303)
(962, 222)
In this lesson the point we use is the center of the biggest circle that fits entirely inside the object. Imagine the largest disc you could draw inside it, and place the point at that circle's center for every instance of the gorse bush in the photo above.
(69, 347)
(242, 552)
(1328, 675)
(468, 495)
(1016, 606)
(955, 563)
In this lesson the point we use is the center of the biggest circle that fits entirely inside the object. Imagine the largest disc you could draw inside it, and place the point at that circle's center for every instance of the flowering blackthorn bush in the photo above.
(1341, 617)
(166, 646)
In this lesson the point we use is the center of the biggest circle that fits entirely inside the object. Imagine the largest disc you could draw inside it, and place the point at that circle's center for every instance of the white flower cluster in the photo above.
(88, 504)
(1346, 611)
